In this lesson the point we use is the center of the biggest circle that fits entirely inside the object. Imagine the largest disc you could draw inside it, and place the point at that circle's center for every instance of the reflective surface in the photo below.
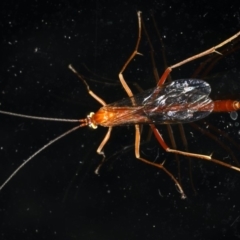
(58, 195)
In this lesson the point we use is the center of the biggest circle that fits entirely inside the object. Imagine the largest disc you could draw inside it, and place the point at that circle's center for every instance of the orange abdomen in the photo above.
(226, 105)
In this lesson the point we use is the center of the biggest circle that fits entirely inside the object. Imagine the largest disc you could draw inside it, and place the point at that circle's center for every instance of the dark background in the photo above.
(57, 195)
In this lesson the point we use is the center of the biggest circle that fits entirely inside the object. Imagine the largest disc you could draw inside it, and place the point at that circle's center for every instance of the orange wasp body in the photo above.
(182, 102)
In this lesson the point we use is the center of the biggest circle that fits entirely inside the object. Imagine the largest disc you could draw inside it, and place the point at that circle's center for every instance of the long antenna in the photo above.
(39, 118)
(37, 152)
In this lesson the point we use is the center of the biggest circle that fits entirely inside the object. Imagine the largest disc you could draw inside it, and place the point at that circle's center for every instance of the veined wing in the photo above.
(183, 100)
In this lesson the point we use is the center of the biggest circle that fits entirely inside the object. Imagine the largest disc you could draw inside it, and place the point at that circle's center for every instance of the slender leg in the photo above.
(101, 101)
(135, 52)
(104, 141)
(94, 95)
(202, 54)
(185, 144)
(220, 143)
(158, 165)
(137, 127)
(101, 146)
(188, 154)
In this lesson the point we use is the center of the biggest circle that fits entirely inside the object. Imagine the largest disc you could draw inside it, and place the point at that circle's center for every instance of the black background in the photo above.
(57, 195)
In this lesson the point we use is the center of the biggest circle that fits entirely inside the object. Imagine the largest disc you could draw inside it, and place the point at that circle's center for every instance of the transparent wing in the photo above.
(183, 100)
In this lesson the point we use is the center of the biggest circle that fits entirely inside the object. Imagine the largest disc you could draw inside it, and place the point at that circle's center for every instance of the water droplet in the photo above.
(233, 115)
